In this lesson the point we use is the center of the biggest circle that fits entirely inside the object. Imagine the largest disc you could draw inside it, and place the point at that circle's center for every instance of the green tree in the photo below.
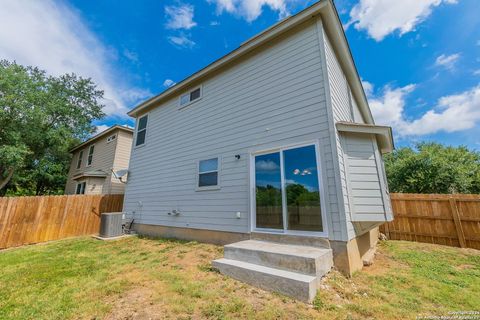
(433, 168)
(41, 117)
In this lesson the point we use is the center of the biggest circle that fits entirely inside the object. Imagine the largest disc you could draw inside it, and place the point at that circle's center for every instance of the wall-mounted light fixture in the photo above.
(237, 156)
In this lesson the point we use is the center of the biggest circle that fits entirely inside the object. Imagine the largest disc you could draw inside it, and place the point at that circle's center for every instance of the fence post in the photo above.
(458, 223)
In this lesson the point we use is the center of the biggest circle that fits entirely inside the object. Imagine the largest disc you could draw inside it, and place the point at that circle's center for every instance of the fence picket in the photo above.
(452, 220)
(26, 220)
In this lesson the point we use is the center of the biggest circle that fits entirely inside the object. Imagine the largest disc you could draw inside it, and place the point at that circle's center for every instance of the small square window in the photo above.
(195, 94)
(191, 96)
(208, 173)
(185, 99)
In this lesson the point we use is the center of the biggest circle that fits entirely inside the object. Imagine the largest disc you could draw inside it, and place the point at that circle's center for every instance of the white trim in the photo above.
(321, 186)
(189, 92)
(218, 171)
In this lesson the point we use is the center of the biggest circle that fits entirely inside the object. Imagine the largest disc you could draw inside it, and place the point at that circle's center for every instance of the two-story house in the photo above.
(95, 162)
(272, 150)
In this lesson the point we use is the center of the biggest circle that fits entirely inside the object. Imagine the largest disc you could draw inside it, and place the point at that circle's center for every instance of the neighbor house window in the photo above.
(141, 130)
(81, 188)
(111, 138)
(79, 161)
(90, 155)
(191, 96)
(208, 173)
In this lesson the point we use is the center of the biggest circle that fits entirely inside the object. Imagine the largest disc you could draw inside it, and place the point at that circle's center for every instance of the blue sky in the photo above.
(419, 60)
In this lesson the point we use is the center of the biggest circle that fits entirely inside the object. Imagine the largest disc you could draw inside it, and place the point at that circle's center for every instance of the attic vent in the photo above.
(111, 138)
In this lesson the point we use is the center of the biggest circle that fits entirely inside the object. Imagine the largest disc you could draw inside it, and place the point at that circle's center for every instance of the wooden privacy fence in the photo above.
(25, 220)
(452, 220)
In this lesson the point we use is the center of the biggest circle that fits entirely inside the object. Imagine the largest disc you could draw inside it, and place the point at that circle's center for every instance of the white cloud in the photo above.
(388, 108)
(180, 17)
(182, 41)
(447, 61)
(367, 87)
(53, 37)
(476, 72)
(130, 55)
(251, 9)
(214, 23)
(266, 165)
(169, 83)
(383, 17)
(101, 128)
(452, 113)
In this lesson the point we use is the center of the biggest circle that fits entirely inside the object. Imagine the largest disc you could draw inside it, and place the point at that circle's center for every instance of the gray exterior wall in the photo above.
(361, 172)
(107, 155)
(276, 96)
(291, 91)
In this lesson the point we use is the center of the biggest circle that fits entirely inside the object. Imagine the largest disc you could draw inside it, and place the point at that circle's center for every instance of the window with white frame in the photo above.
(190, 97)
(79, 160)
(111, 138)
(208, 173)
(80, 188)
(90, 155)
(141, 130)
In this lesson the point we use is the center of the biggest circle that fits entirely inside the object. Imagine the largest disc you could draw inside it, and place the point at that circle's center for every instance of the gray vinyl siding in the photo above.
(273, 97)
(342, 111)
(369, 202)
(362, 194)
(357, 115)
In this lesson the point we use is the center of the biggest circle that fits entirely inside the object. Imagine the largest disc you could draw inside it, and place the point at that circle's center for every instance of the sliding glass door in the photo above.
(287, 191)
(268, 186)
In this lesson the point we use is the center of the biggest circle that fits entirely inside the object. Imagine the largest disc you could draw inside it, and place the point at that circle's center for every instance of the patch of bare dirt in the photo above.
(382, 264)
(137, 304)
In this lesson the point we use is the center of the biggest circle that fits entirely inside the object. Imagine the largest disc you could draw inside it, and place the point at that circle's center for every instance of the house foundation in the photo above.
(348, 256)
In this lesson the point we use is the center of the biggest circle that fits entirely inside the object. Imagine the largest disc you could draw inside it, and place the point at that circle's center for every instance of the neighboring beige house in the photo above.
(95, 160)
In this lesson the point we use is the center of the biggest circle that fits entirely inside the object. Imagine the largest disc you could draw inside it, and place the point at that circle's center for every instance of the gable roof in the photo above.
(101, 134)
(333, 26)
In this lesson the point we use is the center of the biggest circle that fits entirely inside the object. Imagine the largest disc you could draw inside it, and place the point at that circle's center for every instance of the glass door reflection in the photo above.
(287, 191)
(302, 189)
(268, 191)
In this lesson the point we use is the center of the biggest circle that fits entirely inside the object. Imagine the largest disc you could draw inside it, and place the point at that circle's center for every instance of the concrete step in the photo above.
(292, 284)
(301, 259)
(303, 240)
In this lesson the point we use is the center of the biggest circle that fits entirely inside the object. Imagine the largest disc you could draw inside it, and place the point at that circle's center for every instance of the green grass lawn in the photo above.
(156, 279)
